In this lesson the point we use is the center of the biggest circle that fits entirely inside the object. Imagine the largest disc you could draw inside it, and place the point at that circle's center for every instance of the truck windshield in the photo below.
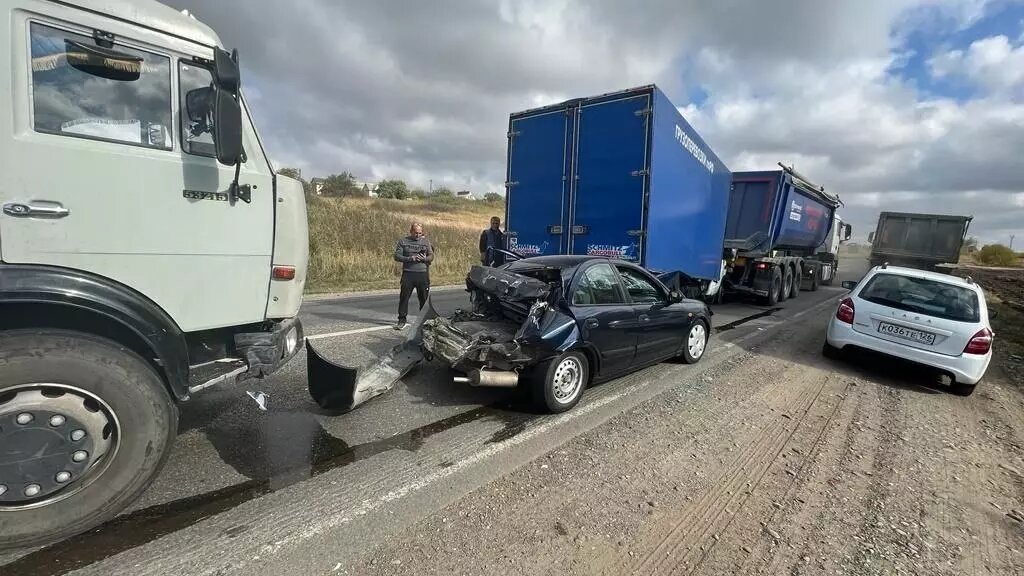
(923, 296)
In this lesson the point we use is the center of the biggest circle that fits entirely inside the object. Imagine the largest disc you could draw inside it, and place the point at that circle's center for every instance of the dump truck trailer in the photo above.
(778, 222)
(918, 240)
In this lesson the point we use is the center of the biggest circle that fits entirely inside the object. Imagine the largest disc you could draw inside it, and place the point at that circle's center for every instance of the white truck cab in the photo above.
(147, 251)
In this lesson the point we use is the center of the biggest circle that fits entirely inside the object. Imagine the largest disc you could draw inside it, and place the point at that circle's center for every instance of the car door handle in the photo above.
(34, 210)
(645, 318)
(591, 323)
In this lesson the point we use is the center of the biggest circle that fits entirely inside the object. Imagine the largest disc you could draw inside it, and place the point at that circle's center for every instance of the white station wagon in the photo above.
(932, 319)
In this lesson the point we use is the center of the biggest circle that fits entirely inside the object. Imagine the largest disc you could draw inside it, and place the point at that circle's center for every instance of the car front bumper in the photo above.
(966, 368)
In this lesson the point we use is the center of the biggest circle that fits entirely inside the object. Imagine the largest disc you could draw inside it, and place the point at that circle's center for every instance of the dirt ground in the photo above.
(1005, 294)
(777, 462)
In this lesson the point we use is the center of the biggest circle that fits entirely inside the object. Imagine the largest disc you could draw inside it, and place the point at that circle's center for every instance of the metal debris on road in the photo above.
(260, 398)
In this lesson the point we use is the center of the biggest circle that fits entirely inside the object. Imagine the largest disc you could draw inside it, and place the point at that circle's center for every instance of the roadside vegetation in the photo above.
(352, 240)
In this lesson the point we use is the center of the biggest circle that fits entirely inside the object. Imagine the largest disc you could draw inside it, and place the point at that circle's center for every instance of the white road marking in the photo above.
(348, 332)
(371, 504)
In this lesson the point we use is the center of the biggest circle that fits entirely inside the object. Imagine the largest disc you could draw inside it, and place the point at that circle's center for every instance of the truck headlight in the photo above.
(291, 340)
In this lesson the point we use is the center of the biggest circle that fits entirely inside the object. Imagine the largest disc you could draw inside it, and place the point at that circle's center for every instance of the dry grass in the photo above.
(352, 240)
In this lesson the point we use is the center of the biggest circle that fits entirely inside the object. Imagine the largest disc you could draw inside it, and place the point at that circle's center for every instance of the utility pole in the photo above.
(1012, 236)
(431, 185)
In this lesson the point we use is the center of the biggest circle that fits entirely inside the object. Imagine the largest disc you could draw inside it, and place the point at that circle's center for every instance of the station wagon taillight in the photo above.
(846, 311)
(980, 343)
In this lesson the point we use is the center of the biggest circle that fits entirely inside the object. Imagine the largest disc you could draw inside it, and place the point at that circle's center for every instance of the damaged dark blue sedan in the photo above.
(558, 323)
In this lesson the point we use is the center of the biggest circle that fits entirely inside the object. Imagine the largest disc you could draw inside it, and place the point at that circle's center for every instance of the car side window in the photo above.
(85, 90)
(599, 285)
(639, 288)
(196, 103)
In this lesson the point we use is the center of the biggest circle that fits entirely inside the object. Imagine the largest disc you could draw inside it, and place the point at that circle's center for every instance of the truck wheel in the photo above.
(814, 280)
(558, 383)
(85, 426)
(787, 283)
(797, 281)
(775, 289)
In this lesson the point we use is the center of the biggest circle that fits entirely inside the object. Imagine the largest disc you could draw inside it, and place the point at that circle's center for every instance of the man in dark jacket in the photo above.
(416, 254)
(492, 240)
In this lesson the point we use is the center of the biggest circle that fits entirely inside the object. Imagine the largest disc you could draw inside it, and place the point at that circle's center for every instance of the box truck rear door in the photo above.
(611, 177)
(538, 156)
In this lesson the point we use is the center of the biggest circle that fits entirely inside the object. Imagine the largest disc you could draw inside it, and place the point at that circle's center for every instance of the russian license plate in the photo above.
(906, 333)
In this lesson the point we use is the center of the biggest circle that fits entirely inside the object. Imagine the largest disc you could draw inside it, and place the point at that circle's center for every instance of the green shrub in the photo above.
(996, 255)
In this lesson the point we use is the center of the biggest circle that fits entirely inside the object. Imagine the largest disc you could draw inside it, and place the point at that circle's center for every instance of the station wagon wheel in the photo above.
(559, 383)
(696, 342)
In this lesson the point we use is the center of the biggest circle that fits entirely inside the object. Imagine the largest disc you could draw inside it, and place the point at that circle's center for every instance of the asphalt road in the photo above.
(294, 490)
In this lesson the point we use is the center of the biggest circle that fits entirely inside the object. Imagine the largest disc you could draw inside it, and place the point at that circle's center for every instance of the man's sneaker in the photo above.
(400, 325)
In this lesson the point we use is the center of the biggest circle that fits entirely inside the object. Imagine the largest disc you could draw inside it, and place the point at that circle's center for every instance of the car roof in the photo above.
(562, 261)
(937, 276)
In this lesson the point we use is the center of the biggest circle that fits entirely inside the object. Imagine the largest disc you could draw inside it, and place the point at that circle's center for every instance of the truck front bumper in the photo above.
(266, 351)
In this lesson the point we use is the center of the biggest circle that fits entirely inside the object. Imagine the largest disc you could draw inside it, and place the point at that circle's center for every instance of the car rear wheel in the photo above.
(830, 351)
(558, 384)
(85, 426)
(962, 389)
(696, 343)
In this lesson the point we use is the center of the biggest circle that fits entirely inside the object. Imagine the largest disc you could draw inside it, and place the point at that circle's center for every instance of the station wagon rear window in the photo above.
(86, 90)
(923, 296)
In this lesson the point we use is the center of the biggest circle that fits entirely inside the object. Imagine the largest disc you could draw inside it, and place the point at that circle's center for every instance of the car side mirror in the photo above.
(675, 297)
(227, 127)
(849, 284)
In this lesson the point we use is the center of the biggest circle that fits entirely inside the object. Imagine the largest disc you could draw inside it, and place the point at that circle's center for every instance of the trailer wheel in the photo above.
(787, 283)
(814, 282)
(558, 383)
(85, 426)
(797, 280)
(775, 289)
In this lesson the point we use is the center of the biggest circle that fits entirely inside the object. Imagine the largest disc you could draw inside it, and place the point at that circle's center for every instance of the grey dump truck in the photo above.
(918, 240)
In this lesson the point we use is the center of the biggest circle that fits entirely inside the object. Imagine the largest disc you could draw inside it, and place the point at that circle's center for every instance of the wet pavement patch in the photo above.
(292, 447)
(741, 321)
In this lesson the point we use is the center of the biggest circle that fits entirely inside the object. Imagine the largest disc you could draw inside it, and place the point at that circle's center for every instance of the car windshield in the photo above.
(924, 296)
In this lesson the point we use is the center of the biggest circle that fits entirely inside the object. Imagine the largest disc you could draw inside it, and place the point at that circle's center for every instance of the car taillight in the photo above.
(845, 312)
(980, 343)
(283, 273)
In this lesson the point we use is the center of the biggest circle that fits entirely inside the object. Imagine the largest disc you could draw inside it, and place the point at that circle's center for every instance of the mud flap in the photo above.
(340, 388)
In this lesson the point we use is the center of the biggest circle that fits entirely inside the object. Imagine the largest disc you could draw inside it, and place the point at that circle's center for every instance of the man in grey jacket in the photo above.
(416, 254)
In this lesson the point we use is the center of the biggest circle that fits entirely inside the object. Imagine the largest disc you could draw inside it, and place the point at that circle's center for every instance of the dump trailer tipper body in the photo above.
(777, 221)
(918, 240)
(621, 175)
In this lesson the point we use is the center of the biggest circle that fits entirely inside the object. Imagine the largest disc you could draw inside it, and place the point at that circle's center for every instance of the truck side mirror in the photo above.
(227, 127)
(849, 232)
(225, 70)
(871, 237)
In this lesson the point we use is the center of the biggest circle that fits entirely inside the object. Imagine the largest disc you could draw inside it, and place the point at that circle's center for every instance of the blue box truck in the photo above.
(621, 175)
(781, 235)
(624, 175)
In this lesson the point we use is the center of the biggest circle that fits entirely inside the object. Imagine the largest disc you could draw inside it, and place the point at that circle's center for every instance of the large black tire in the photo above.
(814, 280)
(549, 389)
(797, 281)
(775, 288)
(80, 381)
(787, 283)
(696, 342)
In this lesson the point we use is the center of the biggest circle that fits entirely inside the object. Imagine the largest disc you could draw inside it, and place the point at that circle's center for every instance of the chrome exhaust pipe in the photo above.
(489, 379)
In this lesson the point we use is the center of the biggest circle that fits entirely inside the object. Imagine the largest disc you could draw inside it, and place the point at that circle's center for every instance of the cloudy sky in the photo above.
(911, 105)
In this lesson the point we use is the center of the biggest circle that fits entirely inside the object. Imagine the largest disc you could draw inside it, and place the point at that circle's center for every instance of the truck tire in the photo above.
(101, 416)
(787, 283)
(558, 383)
(797, 280)
(775, 288)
